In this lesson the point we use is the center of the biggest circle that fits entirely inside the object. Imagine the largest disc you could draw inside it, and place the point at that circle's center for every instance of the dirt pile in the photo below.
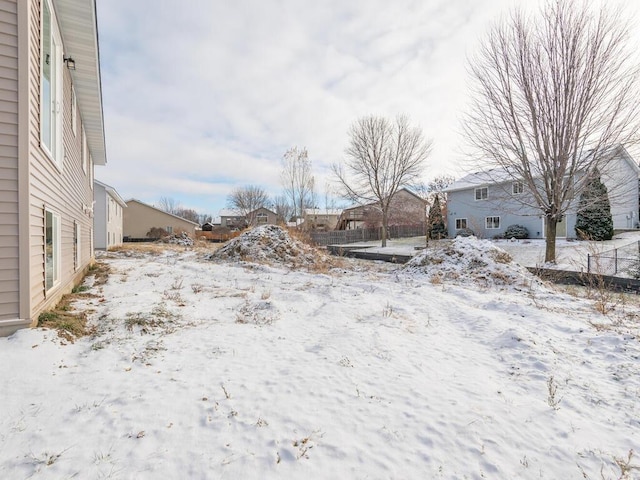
(268, 244)
(468, 260)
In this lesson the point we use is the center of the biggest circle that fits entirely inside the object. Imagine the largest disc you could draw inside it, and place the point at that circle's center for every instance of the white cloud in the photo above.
(200, 96)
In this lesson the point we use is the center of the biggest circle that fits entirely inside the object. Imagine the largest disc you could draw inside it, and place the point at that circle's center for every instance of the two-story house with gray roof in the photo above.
(488, 202)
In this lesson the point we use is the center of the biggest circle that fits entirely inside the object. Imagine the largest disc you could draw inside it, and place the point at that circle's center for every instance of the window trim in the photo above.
(55, 150)
(481, 190)
(54, 268)
(492, 219)
(459, 222)
(74, 112)
(262, 216)
(83, 154)
(517, 188)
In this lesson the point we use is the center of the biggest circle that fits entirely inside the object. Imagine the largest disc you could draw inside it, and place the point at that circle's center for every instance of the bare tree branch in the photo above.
(247, 200)
(298, 180)
(554, 94)
(381, 157)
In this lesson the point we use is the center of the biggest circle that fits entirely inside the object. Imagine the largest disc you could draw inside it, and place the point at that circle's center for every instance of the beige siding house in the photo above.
(140, 218)
(108, 217)
(262, 216)
(51, 135)
(321, 219)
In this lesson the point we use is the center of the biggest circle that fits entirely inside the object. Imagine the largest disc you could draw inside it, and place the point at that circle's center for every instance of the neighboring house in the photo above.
(487, 203)
(321, 219)
(108, 216)
(406, 208)
(236, 220)
(52, 135)
(232, 219)
(140, 218)
(262, 216)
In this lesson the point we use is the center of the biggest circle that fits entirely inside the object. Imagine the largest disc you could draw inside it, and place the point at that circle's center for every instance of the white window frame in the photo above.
(83, 154)
(481, 193)
(461, 223)
(517, 188)
(262, 219)
(51, 100)
(52, 255)
(74, 112)
(492, 223)
(90, 167)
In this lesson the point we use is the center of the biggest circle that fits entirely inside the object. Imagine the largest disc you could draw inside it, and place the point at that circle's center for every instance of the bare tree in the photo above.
(188, 214)
(282, 207)
(247, 200)
(169, 205)
(554, 93)
(297, 180)
(382, 156)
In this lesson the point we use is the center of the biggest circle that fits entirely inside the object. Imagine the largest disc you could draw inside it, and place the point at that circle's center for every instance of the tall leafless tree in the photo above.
(188, 214)
(282, 207)
(247, 200)
(382, 156)
(298, 180)
(169, 205)
(554, 93)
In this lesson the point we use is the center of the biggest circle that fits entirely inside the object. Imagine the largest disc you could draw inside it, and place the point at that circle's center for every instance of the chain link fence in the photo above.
(621, 262)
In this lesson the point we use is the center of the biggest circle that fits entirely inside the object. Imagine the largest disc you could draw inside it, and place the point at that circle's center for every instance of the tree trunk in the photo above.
(550, 227)
(385, 220)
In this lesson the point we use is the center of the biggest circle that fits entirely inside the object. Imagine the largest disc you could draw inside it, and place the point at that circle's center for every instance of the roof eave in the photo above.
(79, 28)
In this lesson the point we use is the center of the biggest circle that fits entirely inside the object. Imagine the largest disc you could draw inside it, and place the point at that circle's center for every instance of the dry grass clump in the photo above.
(68, 322)
(137, 250)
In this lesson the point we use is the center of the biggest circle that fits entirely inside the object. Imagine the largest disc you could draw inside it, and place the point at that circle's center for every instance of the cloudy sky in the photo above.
(201, 96)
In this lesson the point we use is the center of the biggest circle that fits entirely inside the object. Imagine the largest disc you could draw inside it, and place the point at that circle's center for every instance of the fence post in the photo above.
(588, 263)
(615, 265)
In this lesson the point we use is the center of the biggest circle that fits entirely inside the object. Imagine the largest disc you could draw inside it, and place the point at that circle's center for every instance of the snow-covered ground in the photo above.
(264, 362)
(570, 254)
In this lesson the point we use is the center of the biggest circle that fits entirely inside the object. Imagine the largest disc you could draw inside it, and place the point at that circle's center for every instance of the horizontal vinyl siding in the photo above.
(9, 238)
(138, 219)
(63, 192)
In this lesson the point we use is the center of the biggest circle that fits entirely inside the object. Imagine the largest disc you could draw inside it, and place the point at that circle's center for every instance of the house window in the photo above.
(261, 218)
(90, 167)
(482, 193)
(492, 222)
(51, 249)
(517, 188)
(76, 246)
(51, 85)
(169, 230)
(84, 156)
(461, 223)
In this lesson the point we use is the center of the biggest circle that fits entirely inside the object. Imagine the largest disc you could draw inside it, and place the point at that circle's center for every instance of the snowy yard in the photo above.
(264, 362)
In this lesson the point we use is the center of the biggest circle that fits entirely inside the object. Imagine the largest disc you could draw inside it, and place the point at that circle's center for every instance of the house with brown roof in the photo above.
(52, 136)
(406, 208)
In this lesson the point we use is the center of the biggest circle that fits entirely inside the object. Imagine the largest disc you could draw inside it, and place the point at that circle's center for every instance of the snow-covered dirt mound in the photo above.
(267, 244)
(181, 239)
(469, 260)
